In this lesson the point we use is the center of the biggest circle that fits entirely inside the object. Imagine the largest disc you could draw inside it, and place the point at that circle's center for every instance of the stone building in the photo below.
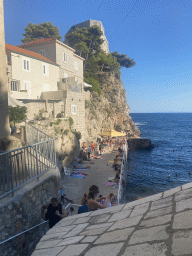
(29, 73)
(70, 87)
(87, 24)
(71, 65)
(4, 128)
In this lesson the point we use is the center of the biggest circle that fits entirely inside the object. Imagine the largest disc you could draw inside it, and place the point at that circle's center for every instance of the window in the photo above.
(27, 86)
(73, 109)
(75, 65)
(14, 86)
(65, 57)
(26, 64)
(42, 52)
(45, 69)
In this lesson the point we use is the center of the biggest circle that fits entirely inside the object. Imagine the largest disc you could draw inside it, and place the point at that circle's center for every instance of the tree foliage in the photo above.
(17, 114)
(123, 60)
(42, 30)
(87, 43)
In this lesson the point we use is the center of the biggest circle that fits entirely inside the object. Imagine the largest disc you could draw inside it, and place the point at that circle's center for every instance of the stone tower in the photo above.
(87, 24)
(4, 118)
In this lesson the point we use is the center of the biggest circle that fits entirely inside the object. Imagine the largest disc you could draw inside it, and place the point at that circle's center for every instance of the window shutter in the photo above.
(27, 65)
(24, 64)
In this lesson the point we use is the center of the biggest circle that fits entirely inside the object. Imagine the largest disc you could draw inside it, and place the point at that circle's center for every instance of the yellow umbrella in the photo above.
(112, 133)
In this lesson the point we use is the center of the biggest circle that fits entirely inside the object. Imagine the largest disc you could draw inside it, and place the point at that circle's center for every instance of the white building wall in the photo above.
(37, 81)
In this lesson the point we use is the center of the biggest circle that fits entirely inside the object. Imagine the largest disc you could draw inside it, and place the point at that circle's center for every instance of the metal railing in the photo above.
(34, 135)
(19, 166)
(10, 238)
(122, 174)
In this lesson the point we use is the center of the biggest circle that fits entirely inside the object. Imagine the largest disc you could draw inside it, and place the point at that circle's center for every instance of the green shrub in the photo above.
(17, 114)
(57, 122)
(66, 132)
(51, 123)
(92, 79)
(71, 121)
(57, 130)
(11, 124)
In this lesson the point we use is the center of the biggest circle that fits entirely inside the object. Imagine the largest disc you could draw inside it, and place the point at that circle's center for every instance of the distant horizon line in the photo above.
(160, 113)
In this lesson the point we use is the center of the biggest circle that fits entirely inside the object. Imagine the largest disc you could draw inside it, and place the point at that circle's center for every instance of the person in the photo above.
(83, 146)
(83, 208)
(99, 148)
(89, 152)
(55, 212)
(92, 147)
(109, 200)
(91, 202)
(64, 197)
(117, 177)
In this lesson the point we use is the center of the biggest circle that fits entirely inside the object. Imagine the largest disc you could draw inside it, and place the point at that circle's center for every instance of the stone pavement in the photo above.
(157, 225)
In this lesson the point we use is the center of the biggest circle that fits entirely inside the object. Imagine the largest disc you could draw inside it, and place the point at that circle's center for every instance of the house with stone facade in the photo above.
(29, 74)
(71, 64)
(70, 87)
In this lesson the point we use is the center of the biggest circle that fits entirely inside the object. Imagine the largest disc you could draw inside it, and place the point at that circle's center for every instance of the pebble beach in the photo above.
(98, 173)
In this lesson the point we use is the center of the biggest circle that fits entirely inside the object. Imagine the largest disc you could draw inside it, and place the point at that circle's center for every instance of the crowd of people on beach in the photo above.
(91, 201)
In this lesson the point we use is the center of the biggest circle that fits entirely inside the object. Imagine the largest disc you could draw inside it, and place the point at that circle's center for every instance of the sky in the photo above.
(157, 34)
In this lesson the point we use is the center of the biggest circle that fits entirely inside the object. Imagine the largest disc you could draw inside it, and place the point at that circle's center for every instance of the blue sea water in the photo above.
(166, 166)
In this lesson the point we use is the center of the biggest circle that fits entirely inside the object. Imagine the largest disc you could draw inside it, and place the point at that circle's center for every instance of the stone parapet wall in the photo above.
(35, 106)
(23, 211)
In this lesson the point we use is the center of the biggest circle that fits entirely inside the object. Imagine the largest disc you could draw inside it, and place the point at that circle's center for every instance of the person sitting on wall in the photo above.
(64, 197)
(117, 177)
(55, 212)
(90, 201)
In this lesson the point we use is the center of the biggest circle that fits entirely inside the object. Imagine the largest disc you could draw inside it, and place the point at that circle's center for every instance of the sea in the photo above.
(169, 163)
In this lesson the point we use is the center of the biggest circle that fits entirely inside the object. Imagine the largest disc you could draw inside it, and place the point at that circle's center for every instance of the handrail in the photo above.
(27, 122)
(31, 145)
(23, 232)
(33, 226)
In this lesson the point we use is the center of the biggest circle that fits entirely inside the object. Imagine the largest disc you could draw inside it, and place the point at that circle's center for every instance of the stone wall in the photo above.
(138, 143)
(76, 100)
(23, 211)
(34, 106)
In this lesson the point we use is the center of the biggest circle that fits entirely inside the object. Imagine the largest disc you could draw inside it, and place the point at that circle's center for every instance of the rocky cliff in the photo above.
(109, 110)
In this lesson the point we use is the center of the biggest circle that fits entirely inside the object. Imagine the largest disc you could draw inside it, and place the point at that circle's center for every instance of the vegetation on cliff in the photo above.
(87, 43)
(108, 106)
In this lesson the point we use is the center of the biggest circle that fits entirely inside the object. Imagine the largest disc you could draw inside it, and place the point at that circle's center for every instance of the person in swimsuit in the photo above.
(91, 202)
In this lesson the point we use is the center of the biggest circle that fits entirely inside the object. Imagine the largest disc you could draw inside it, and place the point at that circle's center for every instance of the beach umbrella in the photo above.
(112, 133)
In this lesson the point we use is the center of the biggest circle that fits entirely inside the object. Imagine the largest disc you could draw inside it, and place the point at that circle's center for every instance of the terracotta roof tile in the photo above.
(38, 41)
(28, 53)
